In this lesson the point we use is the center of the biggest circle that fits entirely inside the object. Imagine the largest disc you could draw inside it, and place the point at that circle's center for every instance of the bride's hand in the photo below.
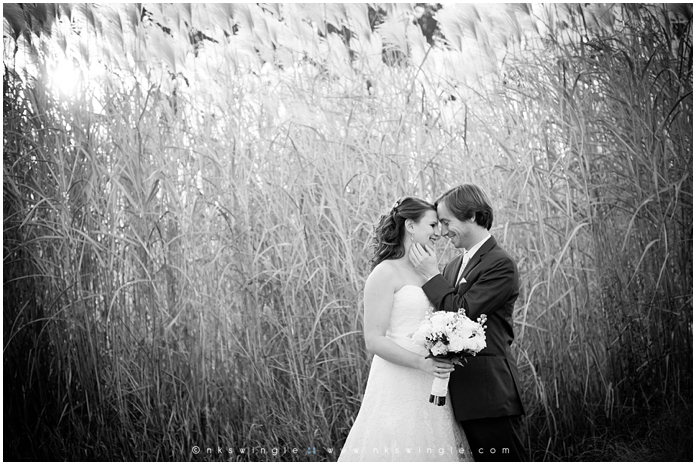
(437, 367)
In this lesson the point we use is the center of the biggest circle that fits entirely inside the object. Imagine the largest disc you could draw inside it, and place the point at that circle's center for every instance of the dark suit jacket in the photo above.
(487, 385)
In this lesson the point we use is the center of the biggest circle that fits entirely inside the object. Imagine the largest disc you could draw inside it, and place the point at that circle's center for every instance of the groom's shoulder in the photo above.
(496, 251)
(500, 255)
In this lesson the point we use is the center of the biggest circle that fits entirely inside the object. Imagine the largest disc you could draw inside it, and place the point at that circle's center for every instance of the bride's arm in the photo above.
(378, 301)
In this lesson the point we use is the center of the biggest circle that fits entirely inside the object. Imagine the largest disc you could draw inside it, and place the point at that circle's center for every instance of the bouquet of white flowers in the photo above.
(450, 335)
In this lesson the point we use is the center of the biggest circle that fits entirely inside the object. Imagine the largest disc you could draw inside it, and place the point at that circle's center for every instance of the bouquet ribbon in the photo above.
(438, 391)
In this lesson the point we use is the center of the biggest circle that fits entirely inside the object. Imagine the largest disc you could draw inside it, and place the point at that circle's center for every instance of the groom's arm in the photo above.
(487, 294)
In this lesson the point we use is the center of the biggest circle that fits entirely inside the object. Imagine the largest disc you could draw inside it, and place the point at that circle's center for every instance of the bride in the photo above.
(396, 422)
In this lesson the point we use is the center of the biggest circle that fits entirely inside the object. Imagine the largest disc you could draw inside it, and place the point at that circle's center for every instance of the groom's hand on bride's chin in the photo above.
(424, 260)
(416, 255)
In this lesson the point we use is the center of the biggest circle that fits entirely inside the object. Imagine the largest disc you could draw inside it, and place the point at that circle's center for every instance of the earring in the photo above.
(412, 239)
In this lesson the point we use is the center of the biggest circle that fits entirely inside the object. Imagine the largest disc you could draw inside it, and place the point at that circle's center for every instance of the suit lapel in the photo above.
(454, 270)
(485, 248)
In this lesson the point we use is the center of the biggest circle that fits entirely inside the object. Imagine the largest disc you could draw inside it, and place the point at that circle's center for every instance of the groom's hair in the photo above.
(468, 201)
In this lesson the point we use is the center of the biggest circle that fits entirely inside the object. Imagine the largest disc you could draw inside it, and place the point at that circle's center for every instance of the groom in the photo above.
(484, 392)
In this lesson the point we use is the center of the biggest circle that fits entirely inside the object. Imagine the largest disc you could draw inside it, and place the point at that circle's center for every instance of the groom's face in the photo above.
(458, 232)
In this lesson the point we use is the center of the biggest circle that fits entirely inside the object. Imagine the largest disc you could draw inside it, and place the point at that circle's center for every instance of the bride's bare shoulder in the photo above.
(384, 276)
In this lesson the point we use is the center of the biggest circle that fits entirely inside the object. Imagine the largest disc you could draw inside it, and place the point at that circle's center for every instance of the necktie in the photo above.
(465, 261)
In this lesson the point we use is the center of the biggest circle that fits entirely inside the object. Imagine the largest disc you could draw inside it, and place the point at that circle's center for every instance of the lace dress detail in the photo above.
(396, 422)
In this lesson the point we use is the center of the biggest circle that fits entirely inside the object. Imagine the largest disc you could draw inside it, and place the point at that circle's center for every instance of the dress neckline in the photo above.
(405, 286)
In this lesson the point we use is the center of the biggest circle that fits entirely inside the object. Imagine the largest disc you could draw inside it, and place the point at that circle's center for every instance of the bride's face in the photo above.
(427, 229)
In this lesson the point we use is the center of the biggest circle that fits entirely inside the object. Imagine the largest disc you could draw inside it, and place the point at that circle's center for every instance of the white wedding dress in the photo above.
(396, 422)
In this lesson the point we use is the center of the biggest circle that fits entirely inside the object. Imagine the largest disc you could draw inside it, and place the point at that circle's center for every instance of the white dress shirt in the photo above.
(468, 255)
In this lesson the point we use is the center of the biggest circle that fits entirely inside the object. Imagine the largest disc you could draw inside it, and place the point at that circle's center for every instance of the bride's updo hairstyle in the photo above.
(389, 233)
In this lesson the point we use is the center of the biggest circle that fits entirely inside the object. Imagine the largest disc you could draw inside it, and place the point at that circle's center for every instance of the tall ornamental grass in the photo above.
(185, 252)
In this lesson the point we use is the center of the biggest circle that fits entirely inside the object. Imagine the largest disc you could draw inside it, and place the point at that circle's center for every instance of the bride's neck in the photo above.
(405, 261)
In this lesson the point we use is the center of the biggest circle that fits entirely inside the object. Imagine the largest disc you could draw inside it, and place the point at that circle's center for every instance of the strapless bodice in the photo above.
(411, 307)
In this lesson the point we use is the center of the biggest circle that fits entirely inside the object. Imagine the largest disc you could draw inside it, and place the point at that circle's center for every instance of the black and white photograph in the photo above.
(348, 232)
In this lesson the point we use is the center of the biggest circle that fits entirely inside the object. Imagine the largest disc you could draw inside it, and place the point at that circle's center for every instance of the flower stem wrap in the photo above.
(438, 392)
